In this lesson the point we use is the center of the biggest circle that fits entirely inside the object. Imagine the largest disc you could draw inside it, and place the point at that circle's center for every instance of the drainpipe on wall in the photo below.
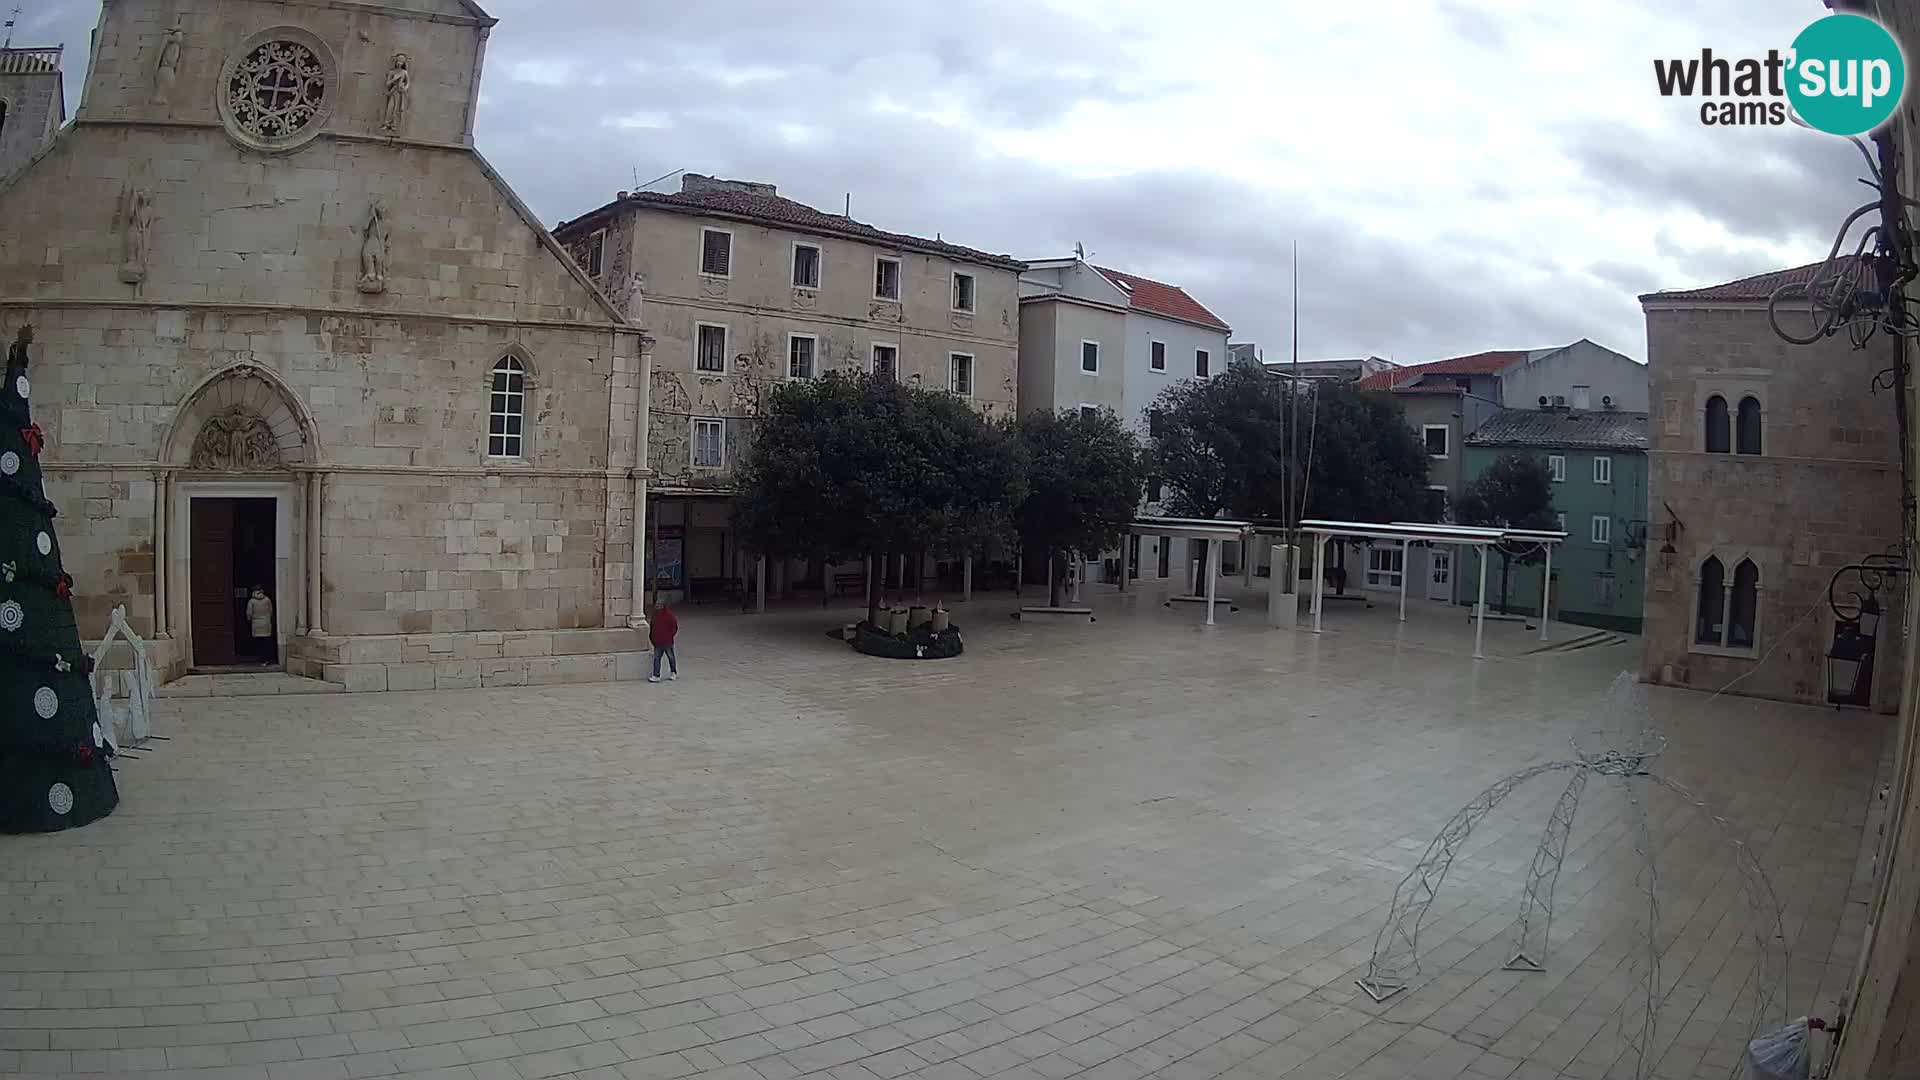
(636, 604)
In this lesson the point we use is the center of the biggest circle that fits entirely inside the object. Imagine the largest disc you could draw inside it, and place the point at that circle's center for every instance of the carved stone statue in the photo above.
(168, 67)
(136, 221)
(399, 82)
(235, 439)
(374, 240)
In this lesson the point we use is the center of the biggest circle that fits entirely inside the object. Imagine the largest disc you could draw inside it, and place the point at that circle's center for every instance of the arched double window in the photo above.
(1746, 428)
(1727, 617)
(507, 409)
(1719, 429)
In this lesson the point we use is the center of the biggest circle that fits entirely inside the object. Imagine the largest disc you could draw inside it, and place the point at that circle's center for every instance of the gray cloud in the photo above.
(584, 97)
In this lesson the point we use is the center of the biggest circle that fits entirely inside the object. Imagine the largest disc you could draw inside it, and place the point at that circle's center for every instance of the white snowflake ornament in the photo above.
(9, 463)
(46, 702)
(12, 616)
(44, 543)
(60, 664)
(60, 798)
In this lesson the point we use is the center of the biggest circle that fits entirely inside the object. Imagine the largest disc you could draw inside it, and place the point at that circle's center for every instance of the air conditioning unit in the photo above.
(1606, 401)
(1559, 401)
(1543, 401)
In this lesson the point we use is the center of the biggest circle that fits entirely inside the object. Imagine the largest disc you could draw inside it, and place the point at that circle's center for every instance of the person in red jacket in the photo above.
(662, 629)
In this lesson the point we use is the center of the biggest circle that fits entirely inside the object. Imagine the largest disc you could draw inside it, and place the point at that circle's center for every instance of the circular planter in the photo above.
(920, 643)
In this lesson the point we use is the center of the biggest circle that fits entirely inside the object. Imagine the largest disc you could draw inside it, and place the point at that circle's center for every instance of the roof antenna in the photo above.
(848, 212)
(1080, 251)
(11, 19)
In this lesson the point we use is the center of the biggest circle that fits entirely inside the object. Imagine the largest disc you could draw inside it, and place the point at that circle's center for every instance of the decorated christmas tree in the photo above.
(53, 755)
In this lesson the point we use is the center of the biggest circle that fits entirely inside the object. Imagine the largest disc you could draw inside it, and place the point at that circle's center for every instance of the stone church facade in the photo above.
(293, 331)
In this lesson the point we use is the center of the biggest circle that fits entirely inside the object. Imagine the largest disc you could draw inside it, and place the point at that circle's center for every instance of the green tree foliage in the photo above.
(851, 465)
(1515, 492)
(53, 755)
(1084, 478)
(1222, 446)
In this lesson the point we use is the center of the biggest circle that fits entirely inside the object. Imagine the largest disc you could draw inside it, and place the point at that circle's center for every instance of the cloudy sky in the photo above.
(1459, 174)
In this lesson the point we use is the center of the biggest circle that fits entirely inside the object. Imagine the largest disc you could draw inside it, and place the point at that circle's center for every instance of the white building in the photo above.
(1092, 337)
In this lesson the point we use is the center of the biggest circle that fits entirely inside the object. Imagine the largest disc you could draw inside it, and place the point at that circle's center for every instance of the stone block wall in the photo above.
(1823, 493)
(34, 110)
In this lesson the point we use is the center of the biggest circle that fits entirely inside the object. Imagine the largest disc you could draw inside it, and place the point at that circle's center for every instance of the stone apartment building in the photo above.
(1773, 466)
(1094, 337)
(33, 103)
(746, 289)
(295, 332)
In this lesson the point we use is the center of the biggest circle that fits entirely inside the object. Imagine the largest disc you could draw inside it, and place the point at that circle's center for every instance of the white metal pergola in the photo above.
(1189, 529)
(1407, 532)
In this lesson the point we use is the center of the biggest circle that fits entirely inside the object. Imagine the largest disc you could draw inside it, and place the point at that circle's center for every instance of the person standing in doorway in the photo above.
(662, 629)
(260, 625)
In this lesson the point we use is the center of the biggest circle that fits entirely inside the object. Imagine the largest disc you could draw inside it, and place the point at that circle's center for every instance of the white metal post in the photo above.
(1546, 591)
(1403, 581)
(1213, 575)
(1480, 608)
(1319, 576)
(1079, 570)
(1246, 559)
(1126, 557)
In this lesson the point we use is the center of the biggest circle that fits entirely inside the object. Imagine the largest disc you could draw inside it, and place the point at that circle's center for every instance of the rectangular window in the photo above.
(1384, 566)
(1557, 467)
(800, 356)
(1583, 397)
(593, 258)
(886, 278)
(716, 253)
(1560, 522)
(1603, 590)
(885, 361)
(1602, 529)
(1202, 363)
(1603, 470)
(1159, 360)
(1156, 422)
(1088, 412)
(709, 443)
(1436, 436)
(1090, 357)
(1155, 489)
(806, 266)
(1437, 508)
(963, 292)
(960, 373)
(710, 348)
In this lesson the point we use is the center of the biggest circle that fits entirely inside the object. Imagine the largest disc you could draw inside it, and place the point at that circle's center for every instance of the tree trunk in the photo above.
(1197, 569)
(1056, 577)
(1504, 567)
(1339, 569)
(873, 592)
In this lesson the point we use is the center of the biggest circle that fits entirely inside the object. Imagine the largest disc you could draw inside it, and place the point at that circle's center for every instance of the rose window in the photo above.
(276, 90)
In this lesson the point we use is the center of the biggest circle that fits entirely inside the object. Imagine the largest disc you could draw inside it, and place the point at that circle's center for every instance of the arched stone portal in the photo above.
(239, 510)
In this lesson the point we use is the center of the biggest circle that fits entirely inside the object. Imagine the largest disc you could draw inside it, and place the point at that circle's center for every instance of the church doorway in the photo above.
(231, 554)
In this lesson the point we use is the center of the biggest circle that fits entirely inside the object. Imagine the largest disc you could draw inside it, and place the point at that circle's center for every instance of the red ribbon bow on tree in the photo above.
(63, 586)
(86, 754)
(34, 439)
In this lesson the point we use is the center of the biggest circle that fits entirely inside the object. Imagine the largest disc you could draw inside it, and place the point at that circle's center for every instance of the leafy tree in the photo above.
(1515, 492)
(1222, 444)
(1084, 479)
(857, 465)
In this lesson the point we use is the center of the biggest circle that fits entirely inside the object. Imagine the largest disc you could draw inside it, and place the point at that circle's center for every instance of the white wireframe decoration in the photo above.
(133, 717)
(1395, 959)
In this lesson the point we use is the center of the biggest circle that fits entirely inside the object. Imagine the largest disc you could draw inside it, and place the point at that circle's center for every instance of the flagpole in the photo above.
(1293, 421)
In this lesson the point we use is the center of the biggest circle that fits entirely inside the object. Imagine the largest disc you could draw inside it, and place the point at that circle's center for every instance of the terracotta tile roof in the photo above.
(1160, 298)
(783, 212)
(1559, 428)
(1481, 363)
(1757, 287)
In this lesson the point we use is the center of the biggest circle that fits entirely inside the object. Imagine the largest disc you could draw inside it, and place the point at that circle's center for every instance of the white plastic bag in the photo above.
(1781, 1054)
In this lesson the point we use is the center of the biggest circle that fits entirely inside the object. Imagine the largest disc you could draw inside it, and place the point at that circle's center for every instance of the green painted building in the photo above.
(1598, 461)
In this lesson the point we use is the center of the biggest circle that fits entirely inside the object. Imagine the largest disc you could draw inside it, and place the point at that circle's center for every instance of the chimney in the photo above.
(695, 183)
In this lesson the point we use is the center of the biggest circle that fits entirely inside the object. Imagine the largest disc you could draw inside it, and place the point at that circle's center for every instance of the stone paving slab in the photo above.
(1137, 848)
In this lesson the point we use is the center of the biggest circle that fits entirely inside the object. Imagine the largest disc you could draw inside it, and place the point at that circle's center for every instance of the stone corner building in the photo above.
(295, 332)
(1773, 467)
(746, 290)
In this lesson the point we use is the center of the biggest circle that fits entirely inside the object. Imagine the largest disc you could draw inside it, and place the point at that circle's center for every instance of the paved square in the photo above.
(1140, 848)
